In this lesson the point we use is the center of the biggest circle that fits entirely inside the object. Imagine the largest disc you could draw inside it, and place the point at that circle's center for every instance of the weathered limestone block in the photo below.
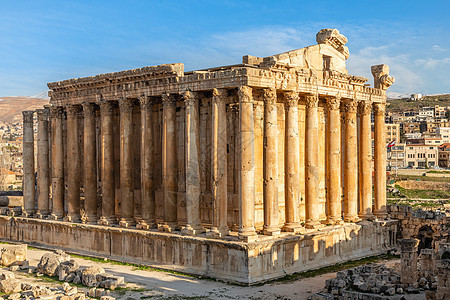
(50, 261)
(66, 268)
(89, 275)
(13, 254)
(10, 285)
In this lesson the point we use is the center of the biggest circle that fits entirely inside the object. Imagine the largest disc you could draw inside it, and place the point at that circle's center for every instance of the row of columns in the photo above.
(219, 163)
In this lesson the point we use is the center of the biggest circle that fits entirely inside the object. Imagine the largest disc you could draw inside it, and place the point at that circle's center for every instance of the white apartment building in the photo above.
(444, 134)
(421, 155)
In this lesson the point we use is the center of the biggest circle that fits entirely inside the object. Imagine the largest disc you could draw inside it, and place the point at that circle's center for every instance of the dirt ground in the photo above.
(147, 284)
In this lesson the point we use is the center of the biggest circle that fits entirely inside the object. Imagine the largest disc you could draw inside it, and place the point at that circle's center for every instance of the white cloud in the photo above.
(437, 48)
(431, 63)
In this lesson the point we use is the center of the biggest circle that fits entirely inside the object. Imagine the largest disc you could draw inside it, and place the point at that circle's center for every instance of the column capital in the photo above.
(379, 108)
(350, 106)
(269, 96)
(28, 115)
(106, 106)
(291, 98)
(365, 107)
(126, 105)
(312, 100)
(245, 94)
(57, 112)
(168, 100)
(219, 95)
(73, 110)
(42, 114)
(190, 98)
(333, 102)
(89, 108)
(145, 102)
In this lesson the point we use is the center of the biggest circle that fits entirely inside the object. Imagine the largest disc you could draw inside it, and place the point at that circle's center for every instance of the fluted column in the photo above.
(57, 117)
(126, 163)
(73, 164)
(350, 162)
(193, 224)
(292, 151)
(169, 160)
(334, 161)
(247, 166)
(219, 163)
(107, 216)
(90, 162)
(380, 161)
(365, 164)
(43, 180)
(312, 162)
(29, 191)
(270, 187)
(147, 166)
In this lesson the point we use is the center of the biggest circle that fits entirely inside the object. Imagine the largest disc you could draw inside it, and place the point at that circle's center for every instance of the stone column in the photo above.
(292, 151)
(57, 117)
(90, 162)
(312, 162)
(147, 166)
(380, 161)
(193, 224)
(270, 188)
(350, 162)
(29, 191)
(126, 163)
(219, 163)
(43, 180)
(409, 261)
(107, 216)
(247, 166)
(365, 164)
(169, 160)
(334, 161)
(73, 164)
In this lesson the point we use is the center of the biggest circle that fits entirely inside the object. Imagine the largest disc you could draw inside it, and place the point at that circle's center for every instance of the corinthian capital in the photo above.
(365, 107)
(312, 100)
(106, 106)
(73, 110)
(333, 102)
(42, 114)
(126, 105)
(381, 77)
(350, 106)
(189, 97)
(291, 98)
(245, 94)
(89, 108)
(27, 116)
(145, 102)
(56, 112)
(168, 100)
(269, 96)
(219, 95)
(379, 109)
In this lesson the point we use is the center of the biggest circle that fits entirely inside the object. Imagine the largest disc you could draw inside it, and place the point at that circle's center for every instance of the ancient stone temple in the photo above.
(244, 172)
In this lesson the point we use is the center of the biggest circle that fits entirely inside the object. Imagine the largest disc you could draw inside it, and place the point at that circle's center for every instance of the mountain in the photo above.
(11, 107)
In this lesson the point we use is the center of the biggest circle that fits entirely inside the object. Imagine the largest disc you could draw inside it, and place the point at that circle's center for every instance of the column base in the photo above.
(106, 221)
(218, 232)
(381, 215)
(168, 227)
(313, 225)
(42, 214)
(55, 216)
(89, 219)
(72, 218)
(196, 230)
(351, 219)
(332, 221)
(127, 222)
(367, 216)
(143, 224)
(272, 231)
(27, 214)
(293, 227)
(247, 234)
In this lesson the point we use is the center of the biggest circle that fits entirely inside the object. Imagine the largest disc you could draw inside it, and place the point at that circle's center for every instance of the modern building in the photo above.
(421, 156)
(444, 155)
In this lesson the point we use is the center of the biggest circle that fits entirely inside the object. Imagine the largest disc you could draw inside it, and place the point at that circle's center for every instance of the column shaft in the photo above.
(350, 163)
(270, 188)
(312, 162)
(365, 164)
(247, 165)
(126, 163)
(29, 191)
(169, 160)
(73, 164)
(43, 164)
(380, 161)
(57, 117)
(107, 216)
(90, 162)
(219, 163)
(292, 178)
(334, 161)
(147, 166)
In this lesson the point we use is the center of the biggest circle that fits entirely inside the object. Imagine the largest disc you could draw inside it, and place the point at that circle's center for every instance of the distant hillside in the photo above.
(397, 105)
(11, 107)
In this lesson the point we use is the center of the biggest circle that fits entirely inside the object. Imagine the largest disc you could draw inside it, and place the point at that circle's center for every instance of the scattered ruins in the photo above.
(244, 173)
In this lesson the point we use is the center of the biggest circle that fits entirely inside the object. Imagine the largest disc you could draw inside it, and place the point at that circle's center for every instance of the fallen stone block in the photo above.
(12, 254)
(89, 275)
(6, 275)
(65, 268)
(10, 285)
(50, 261)
(107, 298)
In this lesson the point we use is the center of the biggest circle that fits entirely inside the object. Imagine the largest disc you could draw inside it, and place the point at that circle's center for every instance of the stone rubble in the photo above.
(58, 264)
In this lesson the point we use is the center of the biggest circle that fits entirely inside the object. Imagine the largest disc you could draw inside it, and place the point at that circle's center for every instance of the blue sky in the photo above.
(44, 41)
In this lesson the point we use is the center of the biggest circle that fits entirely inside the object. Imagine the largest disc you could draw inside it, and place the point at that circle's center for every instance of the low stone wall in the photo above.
(424, 185)
(234, 261)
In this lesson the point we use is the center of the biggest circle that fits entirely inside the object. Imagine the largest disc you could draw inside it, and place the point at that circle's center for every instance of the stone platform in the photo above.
(228, 260)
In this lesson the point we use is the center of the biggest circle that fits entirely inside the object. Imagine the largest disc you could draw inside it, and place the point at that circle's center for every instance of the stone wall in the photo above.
(424, 185)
